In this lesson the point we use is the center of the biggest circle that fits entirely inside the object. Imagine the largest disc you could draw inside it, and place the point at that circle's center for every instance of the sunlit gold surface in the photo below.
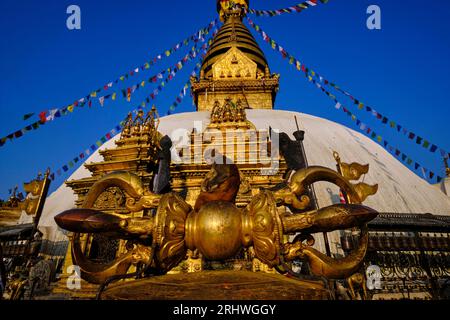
(215, 230)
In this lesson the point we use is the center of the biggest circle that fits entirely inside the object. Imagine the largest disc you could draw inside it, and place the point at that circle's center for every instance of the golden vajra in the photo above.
(218, 229)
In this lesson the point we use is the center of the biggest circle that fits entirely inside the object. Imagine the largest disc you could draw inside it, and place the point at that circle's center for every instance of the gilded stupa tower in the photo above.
(235, 65)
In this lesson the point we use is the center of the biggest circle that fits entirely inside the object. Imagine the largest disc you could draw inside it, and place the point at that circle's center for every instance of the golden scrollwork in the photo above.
(295, 193)
(137, 198)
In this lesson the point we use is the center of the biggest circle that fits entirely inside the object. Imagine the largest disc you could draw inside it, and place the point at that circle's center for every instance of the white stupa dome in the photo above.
(400, 190)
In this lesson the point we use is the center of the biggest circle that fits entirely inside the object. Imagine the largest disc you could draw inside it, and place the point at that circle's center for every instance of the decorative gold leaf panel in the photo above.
(234, 65)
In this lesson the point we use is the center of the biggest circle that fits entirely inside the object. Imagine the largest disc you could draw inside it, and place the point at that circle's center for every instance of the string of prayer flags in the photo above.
(179, 98)
(310, 74)
(293, 9)
(378, 138)
(375, 136)
(184, 91)
(195, 37)
(82, 155)
(28, 116)
(51, 115)
(113, 132)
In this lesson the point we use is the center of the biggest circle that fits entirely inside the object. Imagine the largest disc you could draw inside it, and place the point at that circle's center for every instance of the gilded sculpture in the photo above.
(218, 229)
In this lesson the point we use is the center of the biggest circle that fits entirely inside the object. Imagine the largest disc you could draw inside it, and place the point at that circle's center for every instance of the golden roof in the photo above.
(233, 34)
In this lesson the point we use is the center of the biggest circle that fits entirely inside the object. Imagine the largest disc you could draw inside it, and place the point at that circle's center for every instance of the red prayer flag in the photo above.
(43, 117)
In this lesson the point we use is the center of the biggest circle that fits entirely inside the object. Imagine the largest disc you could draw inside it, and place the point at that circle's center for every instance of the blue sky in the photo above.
(402, 70)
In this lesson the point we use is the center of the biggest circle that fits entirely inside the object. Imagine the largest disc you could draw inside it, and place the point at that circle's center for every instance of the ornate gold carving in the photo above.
(137, 198)
(322, 265)
(34, 187)
(357, 281)
(234, 65)
(126, 131)
(297, 188)
(364, 190)
(111, 198)
(229, 112)
(354, 171)
(146, 201)
(266, 228)
(99, 273)
(245, 186)
(142, 227)
(286, 196)
(169, 233)
(226, 8)
(335, 217)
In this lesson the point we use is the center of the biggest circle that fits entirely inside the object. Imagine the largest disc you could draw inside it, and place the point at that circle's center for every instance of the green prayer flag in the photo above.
(28, 116)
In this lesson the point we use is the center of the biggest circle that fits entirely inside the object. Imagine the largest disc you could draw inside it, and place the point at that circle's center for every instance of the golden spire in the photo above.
(234, 65)
(233, 34)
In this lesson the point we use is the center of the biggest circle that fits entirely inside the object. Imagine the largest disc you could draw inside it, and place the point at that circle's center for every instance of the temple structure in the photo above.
(235, 117)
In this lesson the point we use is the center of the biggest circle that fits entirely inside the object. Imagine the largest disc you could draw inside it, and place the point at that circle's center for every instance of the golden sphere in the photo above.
(217, 230)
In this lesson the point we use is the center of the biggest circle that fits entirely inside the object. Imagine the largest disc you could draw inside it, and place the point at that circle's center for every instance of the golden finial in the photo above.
(227, 8)
(337, 157)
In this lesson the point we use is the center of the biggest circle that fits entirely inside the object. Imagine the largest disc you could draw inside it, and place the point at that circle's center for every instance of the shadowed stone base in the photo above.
(217, 285)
